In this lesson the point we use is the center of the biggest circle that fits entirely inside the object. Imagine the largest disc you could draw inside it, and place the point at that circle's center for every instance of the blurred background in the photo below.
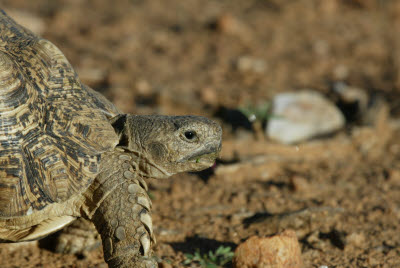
(263, 69)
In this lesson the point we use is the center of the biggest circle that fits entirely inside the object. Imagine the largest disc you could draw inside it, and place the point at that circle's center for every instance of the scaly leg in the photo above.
(123, 219)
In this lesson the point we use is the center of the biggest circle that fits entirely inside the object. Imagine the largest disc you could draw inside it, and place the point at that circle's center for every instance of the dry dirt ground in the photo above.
(341, 194)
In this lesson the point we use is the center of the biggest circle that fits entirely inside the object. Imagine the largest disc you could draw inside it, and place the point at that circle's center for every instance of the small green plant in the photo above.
(257, 115)
(216, 259)
(261, 112)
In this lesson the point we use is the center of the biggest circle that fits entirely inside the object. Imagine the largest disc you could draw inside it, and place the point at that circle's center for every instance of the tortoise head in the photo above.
(166, 145)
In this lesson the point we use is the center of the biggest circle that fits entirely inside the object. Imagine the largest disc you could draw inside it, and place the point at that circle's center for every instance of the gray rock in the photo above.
(299, 116)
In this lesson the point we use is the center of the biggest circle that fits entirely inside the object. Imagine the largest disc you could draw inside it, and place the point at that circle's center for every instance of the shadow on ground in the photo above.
(204, 245)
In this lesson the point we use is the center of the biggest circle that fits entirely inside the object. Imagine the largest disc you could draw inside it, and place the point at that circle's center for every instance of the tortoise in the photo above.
(66, 152)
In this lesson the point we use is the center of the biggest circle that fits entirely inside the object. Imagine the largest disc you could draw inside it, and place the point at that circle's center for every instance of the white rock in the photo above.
(302, 115)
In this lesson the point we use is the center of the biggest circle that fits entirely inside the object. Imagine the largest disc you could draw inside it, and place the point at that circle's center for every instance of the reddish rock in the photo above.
(278, 251)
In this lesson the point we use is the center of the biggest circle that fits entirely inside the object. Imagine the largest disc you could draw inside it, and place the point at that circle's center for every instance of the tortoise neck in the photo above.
(142, 164)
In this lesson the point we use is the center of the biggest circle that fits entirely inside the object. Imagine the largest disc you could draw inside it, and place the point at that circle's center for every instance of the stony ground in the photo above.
(340, 193)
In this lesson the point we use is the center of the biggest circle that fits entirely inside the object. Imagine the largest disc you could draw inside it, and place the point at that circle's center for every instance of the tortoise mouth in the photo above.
(206, 156)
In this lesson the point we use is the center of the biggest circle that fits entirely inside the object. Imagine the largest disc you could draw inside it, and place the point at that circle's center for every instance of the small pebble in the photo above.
(209, 96)
(143, 88)
(250, 64)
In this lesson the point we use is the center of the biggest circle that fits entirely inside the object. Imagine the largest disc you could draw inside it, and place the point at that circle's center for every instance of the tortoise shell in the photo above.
(53, 129)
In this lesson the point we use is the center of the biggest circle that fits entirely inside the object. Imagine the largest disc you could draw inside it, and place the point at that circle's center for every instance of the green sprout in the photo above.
(261, 112)
(257, 115)
(219, 258)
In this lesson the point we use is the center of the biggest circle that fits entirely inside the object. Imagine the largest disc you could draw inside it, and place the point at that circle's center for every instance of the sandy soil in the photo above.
(341, 194)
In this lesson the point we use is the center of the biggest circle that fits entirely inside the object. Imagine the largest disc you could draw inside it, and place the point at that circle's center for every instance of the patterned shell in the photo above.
(53, 129)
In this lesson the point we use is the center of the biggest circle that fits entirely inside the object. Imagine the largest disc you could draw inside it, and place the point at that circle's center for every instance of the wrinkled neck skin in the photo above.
(145, 167)
(135, 140)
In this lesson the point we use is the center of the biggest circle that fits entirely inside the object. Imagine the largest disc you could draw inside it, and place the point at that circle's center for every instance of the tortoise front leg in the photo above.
(124, 223)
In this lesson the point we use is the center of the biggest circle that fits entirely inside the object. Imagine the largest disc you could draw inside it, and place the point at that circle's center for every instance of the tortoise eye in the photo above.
(190, 135)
